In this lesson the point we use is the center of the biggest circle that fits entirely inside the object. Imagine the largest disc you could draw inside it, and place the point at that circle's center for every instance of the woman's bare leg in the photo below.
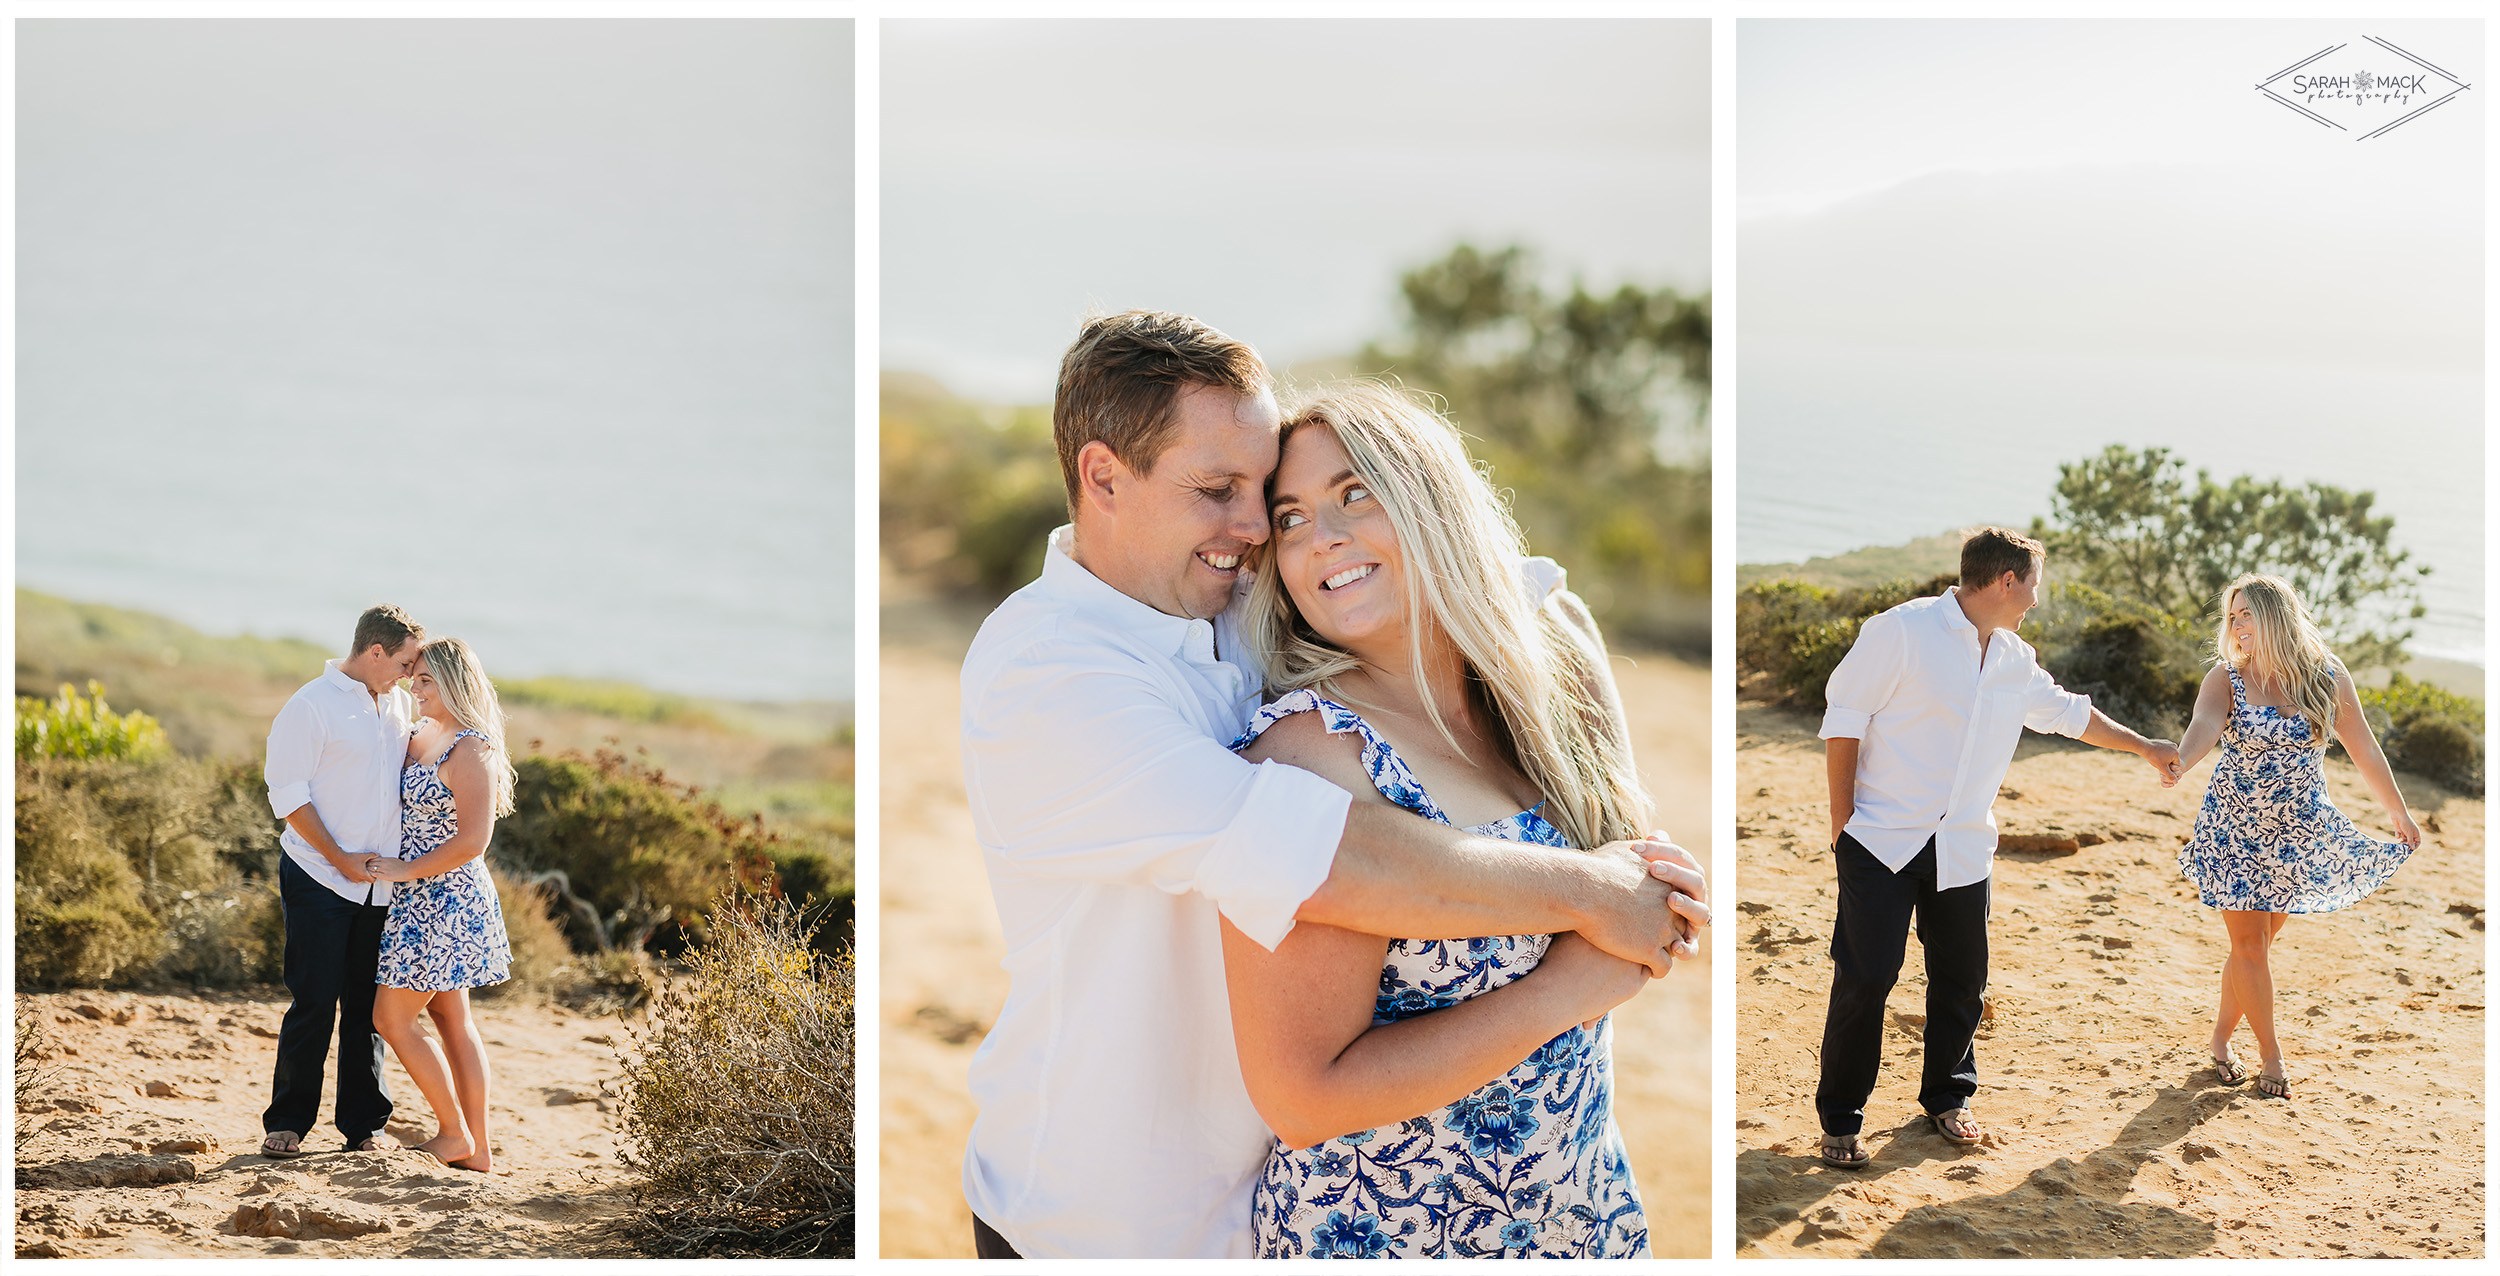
(2250, 978)
(465, 1049)
(395, 1013)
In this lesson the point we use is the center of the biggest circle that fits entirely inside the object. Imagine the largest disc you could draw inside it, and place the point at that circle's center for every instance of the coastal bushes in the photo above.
(131, 872)
(160, 869)
(1589, 407)
(2139, 554)
(739, 1092)
(2429, 731)
(76, 726)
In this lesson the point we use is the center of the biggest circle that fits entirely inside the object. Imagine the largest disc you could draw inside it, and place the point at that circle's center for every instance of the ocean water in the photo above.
(1847, 446)
(540, 329)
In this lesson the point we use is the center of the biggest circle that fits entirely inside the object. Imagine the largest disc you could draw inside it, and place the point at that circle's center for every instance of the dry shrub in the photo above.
(30, 1054)
(540, 956)
(738, 1095)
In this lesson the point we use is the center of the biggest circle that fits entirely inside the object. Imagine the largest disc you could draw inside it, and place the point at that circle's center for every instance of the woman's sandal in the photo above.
(1961, 1117)
(2274, 1087)
(2228, 1067)
(1845, 1151)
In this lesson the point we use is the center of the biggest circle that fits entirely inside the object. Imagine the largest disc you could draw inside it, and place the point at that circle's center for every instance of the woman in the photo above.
(1432, 1098)
(2268, 843)
(445, 932)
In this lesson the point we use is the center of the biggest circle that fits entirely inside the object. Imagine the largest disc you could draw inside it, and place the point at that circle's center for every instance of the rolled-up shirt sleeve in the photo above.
(294, 752)
(1866, 677)
(2050, 707)
(1078, 768)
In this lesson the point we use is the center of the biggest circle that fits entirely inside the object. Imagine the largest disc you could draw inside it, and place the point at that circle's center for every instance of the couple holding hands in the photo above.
(1923, 716)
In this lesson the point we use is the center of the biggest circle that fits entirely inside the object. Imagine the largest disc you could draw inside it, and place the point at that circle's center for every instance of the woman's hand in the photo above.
(1593, 980)
(387, 869)
(2407, 831)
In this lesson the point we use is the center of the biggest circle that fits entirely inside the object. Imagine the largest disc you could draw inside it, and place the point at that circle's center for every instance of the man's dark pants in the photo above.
(987, 1243)
(1877, 908)
(332, 947)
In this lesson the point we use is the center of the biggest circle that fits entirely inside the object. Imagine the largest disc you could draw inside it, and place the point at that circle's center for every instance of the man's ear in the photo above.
(1101, 477)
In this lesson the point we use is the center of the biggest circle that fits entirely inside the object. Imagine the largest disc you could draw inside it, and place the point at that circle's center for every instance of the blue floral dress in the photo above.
(2268, 839)
(1529, 1166)
(446, 931)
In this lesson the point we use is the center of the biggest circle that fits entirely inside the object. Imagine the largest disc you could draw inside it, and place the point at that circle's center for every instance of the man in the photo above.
(1924, 713)
(333, 772)
(1116, 826)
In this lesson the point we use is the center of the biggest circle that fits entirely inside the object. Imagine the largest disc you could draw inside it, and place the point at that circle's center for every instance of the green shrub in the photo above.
(142, 872)
(81, 921)
(224, 939)
(633, 856)
(2428, 730)
(75, 726)
(739, 1094)
(2140, 667)
(1795, 633)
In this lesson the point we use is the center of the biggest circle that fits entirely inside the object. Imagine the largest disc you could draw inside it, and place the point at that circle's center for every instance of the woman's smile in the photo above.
(1350, 576)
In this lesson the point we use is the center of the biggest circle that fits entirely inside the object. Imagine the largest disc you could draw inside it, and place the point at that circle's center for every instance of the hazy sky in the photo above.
(540, 329)
(1971, 250)
(1273, 177)
(1834, 108)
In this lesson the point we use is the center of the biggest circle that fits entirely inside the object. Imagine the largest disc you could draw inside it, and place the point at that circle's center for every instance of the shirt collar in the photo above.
(1070, 582)
(1955, 618)
(341, 679)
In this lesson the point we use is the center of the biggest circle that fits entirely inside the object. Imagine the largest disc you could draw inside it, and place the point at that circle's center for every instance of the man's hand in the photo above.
(1676, 867)
(1649, 897)
(352, 867)
(2163, 756)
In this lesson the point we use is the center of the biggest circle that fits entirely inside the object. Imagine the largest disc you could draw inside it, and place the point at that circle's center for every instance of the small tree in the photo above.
(1590, 408)
(2131, 524)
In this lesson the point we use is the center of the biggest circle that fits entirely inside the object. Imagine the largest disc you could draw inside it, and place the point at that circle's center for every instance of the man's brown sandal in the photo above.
(1963, 1117)
(1844, 1151)
(275, 1151)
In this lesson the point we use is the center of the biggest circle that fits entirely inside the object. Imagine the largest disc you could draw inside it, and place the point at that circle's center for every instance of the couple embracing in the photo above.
(1278, 770)
(390, 795)
(1922, 720)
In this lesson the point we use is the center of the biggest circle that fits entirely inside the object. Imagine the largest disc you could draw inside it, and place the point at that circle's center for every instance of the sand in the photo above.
(941, 982)
(142, 1143)
(2109, 1134)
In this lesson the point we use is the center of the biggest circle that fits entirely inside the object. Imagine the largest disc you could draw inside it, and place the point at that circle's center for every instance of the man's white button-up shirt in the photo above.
(339, 747)
(1938, 727)
(1116, 826)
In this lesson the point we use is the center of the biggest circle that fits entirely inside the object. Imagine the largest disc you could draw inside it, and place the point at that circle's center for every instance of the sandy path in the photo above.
(940, 979)
(143, 1143)
(2110, 1135)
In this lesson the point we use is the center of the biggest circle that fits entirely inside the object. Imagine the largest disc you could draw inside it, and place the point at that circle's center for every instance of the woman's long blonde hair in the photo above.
(2285, 649)
(470, 696)
(1462, 556)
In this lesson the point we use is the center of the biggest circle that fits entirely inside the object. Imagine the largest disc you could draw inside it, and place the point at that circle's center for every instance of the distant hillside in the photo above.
(1941, 553)
(1927, 556)
(216, 696)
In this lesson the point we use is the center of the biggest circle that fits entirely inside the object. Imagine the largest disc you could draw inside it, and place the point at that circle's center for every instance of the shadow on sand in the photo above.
(2066, 1209)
